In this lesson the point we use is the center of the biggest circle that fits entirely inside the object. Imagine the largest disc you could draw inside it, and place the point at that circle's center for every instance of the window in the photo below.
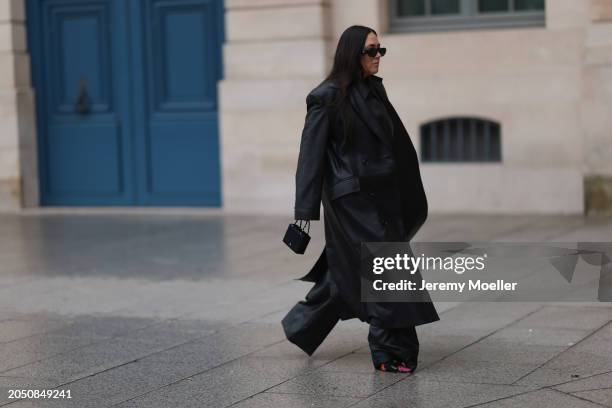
(461, 140)
(438, 15)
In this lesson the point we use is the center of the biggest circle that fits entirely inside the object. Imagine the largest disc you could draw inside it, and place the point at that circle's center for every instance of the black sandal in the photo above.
(410, 366)
(394, 366)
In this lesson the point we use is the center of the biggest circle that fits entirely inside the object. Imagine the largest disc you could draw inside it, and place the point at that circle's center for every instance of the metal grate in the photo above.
(461, 140)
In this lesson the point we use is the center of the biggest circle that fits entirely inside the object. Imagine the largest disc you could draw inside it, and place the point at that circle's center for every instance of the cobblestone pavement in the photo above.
(183, 310)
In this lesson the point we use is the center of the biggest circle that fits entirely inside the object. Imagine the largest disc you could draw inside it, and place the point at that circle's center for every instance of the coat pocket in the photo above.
(345, 186)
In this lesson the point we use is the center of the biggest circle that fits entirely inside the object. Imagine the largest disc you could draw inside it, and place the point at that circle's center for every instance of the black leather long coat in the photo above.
(371, 191)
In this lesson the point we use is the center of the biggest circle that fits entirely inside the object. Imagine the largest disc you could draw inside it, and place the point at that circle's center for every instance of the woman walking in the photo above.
(357, 158)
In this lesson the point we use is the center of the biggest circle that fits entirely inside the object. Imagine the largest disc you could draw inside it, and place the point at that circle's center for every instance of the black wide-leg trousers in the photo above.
(394, 344)
(310, 321)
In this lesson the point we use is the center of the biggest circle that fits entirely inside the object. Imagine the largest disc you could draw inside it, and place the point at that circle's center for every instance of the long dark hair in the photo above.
(347, 70)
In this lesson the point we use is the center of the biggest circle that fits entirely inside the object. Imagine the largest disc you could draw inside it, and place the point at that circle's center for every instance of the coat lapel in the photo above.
(365, 113)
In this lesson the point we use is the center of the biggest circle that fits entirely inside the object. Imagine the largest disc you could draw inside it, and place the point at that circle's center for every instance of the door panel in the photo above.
(181, 55)
(84, 154)
(80, 55)
(181, 67)
(127, 100)
(85, 160)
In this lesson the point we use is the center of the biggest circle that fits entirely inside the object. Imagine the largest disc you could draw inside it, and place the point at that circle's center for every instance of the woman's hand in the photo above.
(303, 224)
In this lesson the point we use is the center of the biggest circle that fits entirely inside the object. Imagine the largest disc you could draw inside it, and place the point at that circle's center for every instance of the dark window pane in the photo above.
(480, 148)
(439, 138)
(467, 145)
(425, 143)
(461, 140)
(487, 6)
(446, 140)
(453, 154)
(444, 6)
(524, 5)
(410, 7)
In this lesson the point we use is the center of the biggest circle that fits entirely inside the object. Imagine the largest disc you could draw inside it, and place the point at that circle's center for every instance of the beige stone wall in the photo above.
(275, 52)
(596, 120)
(18, 158)
(549, 87)
(529, 80)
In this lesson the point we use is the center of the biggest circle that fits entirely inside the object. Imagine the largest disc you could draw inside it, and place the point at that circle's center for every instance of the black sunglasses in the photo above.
(373, 51)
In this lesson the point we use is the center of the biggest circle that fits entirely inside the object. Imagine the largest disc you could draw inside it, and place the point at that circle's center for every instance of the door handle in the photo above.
(83, 102)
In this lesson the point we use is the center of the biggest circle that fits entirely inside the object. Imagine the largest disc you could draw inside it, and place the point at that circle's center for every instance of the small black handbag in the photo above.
(296, 238)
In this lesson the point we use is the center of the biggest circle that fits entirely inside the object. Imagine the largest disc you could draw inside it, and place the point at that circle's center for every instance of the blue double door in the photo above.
(126, 94)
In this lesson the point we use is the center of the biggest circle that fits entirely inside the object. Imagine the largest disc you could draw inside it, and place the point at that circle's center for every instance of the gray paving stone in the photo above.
(585, 384)
(495, 350)
(591, 356)
(472, 228)
(540, 336)
(249, 333)
(556, 317)
(221, 347)
(12, 329)
(174, 331)
(20, 352)
(478, 318)
(340, 384)
(165, 290)
(11, 314)
(7, 381)
(162, 373)
(482, 372)
(352, 363)
(435, 347)
(602, 396)
(86, 360)
(287, 351)
(542, 398)
(104, 327)
(420, 393)
(559, 371)
(13, 360)
(199, 356)
(267, 400)
(542, 229)
(545, 376)
(588, 358)
(223, 385)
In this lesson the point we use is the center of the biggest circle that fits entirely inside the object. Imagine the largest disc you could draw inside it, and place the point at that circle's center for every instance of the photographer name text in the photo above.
(472, 285)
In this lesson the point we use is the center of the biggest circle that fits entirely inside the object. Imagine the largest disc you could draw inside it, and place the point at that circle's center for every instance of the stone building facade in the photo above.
(548, 87)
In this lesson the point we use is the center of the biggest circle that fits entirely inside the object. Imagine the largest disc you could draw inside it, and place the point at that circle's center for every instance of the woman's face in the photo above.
(370, 64)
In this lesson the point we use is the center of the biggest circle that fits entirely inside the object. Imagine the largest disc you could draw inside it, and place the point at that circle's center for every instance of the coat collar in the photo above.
(363, 87)
(376, 79)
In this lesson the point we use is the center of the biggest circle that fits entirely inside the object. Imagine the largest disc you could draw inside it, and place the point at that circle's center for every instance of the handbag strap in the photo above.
(301, 223)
